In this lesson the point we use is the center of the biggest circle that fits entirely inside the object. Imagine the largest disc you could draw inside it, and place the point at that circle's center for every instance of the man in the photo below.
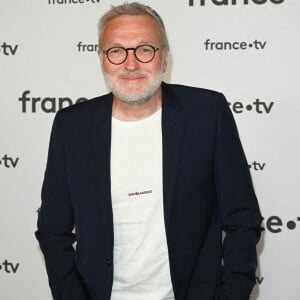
(149, 176)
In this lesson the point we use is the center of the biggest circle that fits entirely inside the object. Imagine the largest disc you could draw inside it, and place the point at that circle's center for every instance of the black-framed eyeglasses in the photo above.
(143, 53)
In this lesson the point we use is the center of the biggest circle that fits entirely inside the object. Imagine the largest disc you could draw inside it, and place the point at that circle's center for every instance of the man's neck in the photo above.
(136, 111)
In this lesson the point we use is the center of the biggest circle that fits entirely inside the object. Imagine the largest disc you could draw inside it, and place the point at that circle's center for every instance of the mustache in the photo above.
(133, 74)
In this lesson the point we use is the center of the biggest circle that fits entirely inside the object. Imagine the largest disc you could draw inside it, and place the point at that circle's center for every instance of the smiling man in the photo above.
(133, 56)
(149, 175)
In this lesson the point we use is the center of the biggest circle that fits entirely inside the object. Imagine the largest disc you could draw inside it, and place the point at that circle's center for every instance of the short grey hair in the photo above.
(134, 9)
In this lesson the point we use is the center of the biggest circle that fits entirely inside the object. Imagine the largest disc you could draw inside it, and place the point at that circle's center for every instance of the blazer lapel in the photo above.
(101, 141)
(172, 134)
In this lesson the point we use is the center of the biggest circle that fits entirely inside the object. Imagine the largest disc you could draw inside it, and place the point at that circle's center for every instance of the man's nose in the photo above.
(131, 63)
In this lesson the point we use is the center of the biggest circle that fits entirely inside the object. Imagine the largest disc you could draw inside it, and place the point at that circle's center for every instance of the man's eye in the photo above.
(115, 51)
(146, 49)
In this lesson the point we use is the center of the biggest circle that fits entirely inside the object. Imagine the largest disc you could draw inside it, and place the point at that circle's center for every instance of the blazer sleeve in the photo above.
(237, 208)
(56, 222)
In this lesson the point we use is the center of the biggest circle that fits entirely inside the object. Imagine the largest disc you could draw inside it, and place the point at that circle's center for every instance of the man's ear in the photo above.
(100, 55)
(165, 59)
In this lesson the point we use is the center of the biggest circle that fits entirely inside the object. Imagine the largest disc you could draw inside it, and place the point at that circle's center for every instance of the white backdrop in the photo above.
(248, 50)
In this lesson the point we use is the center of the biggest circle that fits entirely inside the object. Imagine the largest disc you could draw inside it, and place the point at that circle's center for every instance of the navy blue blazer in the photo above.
(207, 189)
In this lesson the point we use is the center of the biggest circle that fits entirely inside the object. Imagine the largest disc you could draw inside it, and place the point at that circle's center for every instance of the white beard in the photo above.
(124, 94)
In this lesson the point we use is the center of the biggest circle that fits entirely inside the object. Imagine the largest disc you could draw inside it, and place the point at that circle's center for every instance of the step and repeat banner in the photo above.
(247, 49)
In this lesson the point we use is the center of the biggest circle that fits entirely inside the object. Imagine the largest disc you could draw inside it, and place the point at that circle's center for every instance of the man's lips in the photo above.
(133, 78)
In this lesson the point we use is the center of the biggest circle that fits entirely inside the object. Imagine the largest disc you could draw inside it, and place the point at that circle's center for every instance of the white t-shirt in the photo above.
(141, 261)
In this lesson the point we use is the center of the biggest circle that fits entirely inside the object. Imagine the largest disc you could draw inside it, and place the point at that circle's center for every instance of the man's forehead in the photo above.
(135, 28)
(125, 22)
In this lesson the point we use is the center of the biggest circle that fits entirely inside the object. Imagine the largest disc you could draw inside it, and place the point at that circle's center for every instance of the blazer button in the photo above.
(108, 261)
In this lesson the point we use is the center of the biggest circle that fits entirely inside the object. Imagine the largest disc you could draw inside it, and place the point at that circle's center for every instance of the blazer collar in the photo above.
(172, 134)
(101, 142)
